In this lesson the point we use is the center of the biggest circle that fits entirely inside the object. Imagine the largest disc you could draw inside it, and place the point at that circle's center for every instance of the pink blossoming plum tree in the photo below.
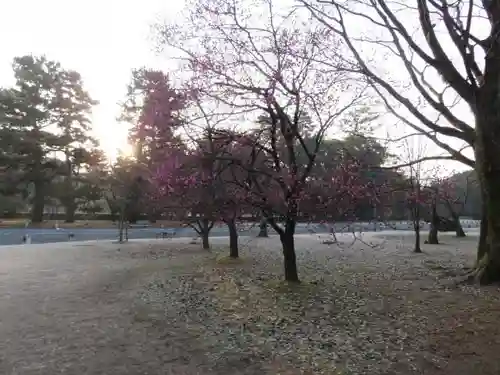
(187, 188)
(252, 63)
(188, 178)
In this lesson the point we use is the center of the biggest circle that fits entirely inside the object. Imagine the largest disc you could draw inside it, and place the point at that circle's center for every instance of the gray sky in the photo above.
(101, 39)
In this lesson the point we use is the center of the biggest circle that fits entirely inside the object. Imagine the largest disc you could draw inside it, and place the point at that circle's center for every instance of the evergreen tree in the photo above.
(43, 116)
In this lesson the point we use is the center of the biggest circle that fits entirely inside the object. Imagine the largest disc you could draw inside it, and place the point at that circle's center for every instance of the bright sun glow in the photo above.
(113, 140)
(104, 42)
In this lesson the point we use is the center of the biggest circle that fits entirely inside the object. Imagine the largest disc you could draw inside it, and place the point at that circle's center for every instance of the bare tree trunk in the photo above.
(120, 225)
(205, 230)
(459, 232)
(120, 231)
(205, 242)
(233, 239)
(417, 248)
(482, 247)
(289, 257)
(488, 171)
(263, 232)
(432, 239)
(433, 231)
(70, 204)
(415, 218)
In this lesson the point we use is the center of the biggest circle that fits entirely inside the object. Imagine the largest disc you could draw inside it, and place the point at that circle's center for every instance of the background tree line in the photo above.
(49, 156)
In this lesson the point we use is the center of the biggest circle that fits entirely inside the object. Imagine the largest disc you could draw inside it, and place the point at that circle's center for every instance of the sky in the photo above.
(101, 39)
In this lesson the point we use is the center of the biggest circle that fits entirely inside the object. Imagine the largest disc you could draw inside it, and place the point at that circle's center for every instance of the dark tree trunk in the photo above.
(70, 205)
(433, 232)
(70, 212)
(263, 228)
(288, 245)
(460, 230)
(205, 231)
(417, 248)
(233, 239)
(205, 241)
(432, 239)
(121, 225)
(488, 164)
(38, 202)
(415, 218)
(482, 247)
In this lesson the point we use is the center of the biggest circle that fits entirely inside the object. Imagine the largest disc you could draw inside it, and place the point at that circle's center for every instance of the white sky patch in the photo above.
(102, 40)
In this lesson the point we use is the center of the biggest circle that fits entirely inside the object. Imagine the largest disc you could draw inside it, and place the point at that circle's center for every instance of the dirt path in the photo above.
(68, 311)
(170, 308)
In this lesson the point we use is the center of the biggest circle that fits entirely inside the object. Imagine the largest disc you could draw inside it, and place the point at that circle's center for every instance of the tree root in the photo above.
(427, 242)
(480, 275)
(468, 279)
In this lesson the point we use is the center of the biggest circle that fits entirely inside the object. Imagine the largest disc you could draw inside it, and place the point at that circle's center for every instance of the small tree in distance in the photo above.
(414, 186)
(455, 197)
(125, 179)
(414, 200)
(186, 188)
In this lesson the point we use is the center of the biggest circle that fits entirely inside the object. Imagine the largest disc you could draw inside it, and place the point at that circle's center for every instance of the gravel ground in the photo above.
(167, 307)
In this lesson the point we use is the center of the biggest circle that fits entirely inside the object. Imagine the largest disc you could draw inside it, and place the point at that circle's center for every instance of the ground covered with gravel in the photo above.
(169, 307)
(370, 307)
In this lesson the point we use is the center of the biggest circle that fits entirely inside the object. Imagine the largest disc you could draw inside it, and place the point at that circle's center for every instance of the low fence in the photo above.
(28, 236)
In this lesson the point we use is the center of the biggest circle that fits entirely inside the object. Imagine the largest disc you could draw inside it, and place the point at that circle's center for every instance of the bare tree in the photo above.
(260, 58)
(416, 185)
(456, 204)
(449, 51)
(414, 204)
(434, 221)
(415, 189)
(120, 181)
(263, 232)
(453, 196)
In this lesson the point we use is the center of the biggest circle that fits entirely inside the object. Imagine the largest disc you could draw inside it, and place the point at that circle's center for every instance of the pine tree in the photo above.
(44, 115)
